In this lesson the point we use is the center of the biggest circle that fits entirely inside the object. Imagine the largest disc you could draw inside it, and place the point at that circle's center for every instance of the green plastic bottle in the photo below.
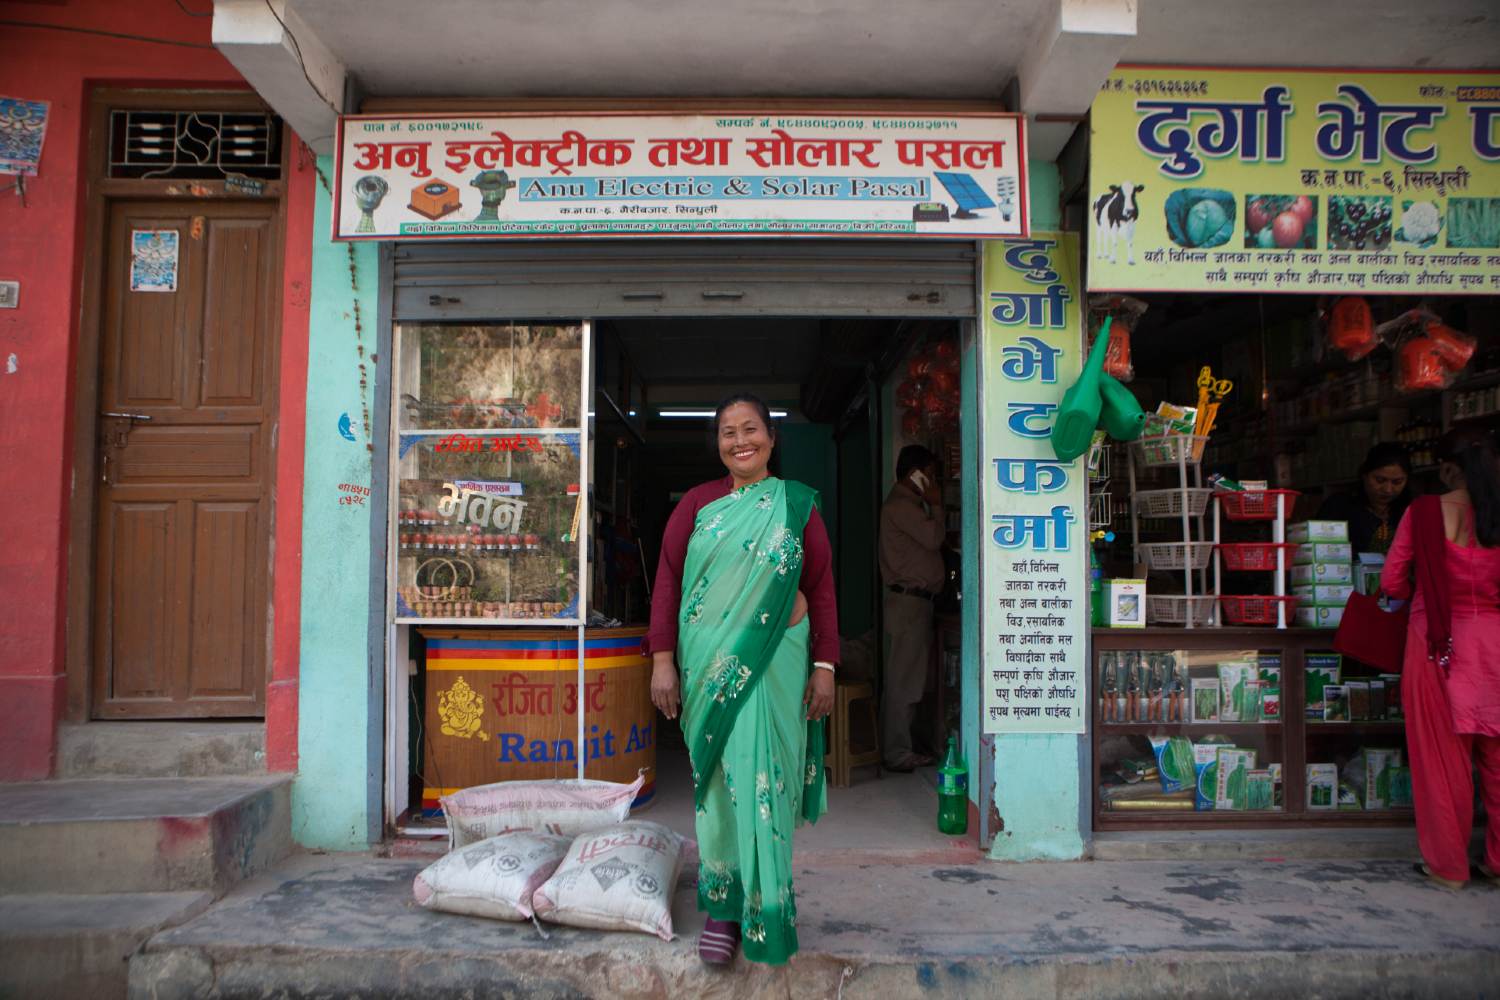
(953, 792)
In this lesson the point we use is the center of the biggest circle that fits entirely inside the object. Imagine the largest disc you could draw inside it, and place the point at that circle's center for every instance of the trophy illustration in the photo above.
(492, 185)
(368, 193)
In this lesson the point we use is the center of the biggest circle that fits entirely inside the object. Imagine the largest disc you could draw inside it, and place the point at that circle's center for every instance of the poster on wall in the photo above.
(23, 128)
(153, 260)
(638, 174)
(1274, 180)
(1034, 618)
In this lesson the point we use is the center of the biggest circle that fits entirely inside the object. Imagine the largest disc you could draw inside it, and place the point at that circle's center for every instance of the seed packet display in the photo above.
(1270, 687)
(1400, 788)
(1277, 788)
(1335, 703)
(1322, 669)
(1205, 763)
(1205, 699)
(1379, 765)
(1174, 762)
(1235, 682)
(1359, 700)
(1322, 779)
(1232, 783)
(1377, 699)
(1259, 789)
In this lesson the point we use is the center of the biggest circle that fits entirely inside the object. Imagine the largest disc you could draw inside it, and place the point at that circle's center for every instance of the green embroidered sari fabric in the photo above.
(757, 761)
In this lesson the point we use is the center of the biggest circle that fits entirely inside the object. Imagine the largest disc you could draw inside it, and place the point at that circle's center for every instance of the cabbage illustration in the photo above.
(1199, 218)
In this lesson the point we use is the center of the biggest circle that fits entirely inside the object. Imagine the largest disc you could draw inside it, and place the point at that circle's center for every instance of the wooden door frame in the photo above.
(101, 194)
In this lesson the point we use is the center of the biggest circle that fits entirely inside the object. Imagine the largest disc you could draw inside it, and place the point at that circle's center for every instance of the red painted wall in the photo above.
(41, 247)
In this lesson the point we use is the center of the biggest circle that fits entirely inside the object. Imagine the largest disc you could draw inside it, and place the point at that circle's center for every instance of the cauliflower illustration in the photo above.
(1421, 222)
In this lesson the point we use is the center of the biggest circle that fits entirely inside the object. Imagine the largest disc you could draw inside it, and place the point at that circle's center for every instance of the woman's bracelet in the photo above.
(823, 665)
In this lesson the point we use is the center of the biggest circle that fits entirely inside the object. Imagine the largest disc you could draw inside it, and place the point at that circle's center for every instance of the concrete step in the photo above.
(142, 834)
(1329, 844)
(160, 749)
(80, 946)
(334, 926)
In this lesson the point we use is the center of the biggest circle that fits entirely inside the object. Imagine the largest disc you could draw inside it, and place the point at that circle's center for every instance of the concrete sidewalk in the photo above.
(345, 925)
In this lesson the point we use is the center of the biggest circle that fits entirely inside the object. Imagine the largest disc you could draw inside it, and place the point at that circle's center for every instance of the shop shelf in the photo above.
(1170, 503)
(1254, 609)
(1254, 505)
(1168, 449)
(1176, 555)
(1251, 557)
(1174, 609)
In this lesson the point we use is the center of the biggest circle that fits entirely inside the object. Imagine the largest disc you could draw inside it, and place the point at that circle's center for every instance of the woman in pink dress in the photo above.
(1446, 558)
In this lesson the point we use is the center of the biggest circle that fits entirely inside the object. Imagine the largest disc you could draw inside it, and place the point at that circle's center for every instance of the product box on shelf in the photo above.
(1322, 552)
(1316, 617)
(1328, 595)
(1270, 689)
(1377, 698)
(1239, 686)
(1335, 703)
(1400, 788)
(1232, 781)
(1260, 789)
(1379, 765)
(1321, 669)
(1205, 699)
(1318, 531)
(1392, 684)
(1125, 601)
(1322, 783)
(1359, 700)
(1205, 765)
(1367, 572)
(1324, 573)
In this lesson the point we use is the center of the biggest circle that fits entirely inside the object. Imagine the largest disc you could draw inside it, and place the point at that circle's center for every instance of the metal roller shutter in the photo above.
(791, 277)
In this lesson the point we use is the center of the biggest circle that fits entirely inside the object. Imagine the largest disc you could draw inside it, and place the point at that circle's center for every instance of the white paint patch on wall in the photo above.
(12, 365)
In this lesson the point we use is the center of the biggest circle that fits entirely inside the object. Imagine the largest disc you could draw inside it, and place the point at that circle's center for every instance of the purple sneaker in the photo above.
(718, 942)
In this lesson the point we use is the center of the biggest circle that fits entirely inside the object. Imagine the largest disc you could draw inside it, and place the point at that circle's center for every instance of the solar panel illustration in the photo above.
(966, 192)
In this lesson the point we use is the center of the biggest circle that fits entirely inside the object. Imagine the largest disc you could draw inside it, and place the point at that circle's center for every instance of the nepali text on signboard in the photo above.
(960, 176)
(1033, 618)
(1274, 180)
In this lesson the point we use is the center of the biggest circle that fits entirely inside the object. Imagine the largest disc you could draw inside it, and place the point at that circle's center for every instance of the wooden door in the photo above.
(186, 410)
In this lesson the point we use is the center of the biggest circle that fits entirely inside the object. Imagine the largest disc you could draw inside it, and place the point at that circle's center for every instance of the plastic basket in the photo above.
(1258, 609)
(1173, 609)
(1253, 557)
(1169, 503)
(1177, 555)
(1254, 505)
(1167, 449)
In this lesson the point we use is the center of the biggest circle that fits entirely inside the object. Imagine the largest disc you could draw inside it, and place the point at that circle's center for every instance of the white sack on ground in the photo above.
(491, 878)
(563, 807)
(616, 879)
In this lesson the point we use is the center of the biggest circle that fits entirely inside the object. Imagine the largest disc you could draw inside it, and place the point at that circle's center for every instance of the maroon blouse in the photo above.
(816, 582)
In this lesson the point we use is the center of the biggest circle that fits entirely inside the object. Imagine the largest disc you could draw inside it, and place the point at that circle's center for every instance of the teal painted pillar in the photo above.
(1041, 781)
(335, 801)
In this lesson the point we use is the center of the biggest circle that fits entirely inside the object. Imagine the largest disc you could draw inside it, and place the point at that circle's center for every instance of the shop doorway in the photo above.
(831, 386)
(183, 503)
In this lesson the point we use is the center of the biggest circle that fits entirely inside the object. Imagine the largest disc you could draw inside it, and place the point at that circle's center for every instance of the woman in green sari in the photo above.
(744, 596)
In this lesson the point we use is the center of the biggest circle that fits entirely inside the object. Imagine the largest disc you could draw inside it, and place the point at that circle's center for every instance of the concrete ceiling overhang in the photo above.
(313, 59)
(1057, 51)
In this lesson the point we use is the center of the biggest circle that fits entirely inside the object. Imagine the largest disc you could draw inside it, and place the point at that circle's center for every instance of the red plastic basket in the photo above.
(1254, 505)
(1257, 609)
(1249, 557)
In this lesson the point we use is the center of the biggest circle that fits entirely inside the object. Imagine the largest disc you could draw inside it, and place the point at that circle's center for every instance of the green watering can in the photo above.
(1121, 415)
(1095, 394)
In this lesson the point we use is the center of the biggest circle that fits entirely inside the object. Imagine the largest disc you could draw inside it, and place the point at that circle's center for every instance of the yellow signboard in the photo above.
(1274, 180)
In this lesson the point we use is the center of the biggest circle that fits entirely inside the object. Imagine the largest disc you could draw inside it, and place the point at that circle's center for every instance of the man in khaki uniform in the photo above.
(912, 572)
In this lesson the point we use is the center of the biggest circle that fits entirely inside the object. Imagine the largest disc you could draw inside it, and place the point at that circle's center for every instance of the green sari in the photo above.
(757, 760)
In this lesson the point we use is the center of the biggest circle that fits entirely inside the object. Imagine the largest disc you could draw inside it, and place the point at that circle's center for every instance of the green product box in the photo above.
(1270, 688)
(1205, 699)
(1318, 531)
(1321, 669)
(1232, 781)
(1322, 573)
(1323, 594)
(1322, 552)
(1238, 703)
(1322, 779)
(1379, 765)
(1260, 790)
(1400, 788)
(1205, 762)
(1313, 616)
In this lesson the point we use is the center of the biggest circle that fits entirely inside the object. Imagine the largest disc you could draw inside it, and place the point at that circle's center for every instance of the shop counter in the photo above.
(1306, 737)
(501, 704)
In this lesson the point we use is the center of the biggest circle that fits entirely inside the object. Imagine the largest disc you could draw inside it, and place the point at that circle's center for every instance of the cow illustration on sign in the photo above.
(1115, 213)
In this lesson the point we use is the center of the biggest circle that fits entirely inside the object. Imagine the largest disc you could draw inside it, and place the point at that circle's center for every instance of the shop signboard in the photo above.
(1275, 180)
(1034, 616)
(641, 174)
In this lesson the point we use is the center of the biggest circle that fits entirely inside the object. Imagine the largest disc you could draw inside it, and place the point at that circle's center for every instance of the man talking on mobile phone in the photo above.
(912, 571)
